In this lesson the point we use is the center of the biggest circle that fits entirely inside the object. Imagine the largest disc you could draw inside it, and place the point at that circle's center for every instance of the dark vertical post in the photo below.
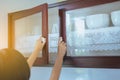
(62, 17)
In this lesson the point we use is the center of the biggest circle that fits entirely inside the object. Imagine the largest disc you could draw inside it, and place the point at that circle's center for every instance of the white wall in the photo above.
(43, 73)
(8, 6)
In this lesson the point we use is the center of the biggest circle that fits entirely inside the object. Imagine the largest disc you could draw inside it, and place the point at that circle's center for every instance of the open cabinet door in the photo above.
(25, 27)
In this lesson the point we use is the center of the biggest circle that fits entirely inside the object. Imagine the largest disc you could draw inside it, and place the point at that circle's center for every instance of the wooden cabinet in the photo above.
(81, 51)
(92, 52)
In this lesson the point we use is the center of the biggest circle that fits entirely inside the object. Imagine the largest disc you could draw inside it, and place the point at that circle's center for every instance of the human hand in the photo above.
(40, 43)
(61, 47)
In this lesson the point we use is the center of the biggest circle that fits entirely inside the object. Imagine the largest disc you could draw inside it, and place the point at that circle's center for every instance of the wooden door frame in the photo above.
(21, 14)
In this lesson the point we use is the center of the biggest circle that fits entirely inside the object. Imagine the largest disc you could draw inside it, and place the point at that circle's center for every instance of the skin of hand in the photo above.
(61, 47)
(38, 47)
(40, 44)
(59, 60)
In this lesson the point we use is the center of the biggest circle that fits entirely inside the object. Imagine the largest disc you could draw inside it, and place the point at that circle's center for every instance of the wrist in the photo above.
(60, 56)
(37, 50)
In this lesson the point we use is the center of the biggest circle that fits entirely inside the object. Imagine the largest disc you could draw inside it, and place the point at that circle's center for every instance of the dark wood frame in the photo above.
(84, 61)
(20, 14)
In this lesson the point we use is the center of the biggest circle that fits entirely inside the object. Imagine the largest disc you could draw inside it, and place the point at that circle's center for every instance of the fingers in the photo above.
(61, 43)
(42, 39)
(60, 40)
(61, 47)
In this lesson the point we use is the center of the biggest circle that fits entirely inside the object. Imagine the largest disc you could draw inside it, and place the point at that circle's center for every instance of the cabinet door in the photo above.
(93, 31)
(25, 27)
(91, 34)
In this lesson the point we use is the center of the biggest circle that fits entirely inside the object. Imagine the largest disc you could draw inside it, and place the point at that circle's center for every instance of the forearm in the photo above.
(38, 48)
(57, 68)
(32, 58)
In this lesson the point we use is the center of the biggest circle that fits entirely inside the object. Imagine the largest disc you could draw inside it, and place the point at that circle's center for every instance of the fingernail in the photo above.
(43, 39)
